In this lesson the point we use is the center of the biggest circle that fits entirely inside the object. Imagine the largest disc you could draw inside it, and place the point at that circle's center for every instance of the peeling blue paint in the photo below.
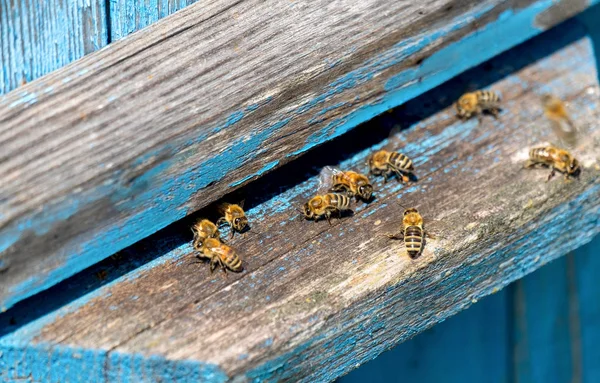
(259, 173)
(84, 365)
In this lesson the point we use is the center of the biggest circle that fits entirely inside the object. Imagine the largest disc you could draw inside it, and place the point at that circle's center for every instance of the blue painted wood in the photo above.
(542, 326)
(37, 37)
(128, 16)
(168, 299)
(587, 270)
(191, 177)
(472, 346)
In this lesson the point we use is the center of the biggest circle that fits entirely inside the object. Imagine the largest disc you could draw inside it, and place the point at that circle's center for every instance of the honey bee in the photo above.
(202, 230)
(234, 216)
(555, 158)
(352, 183)
(220, 254)
(556, 111)
(325, 206)
(475, 103)
(412, 233)
(384, 163)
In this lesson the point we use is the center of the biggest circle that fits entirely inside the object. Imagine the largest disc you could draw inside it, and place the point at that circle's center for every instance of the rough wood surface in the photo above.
(138, 135)
(316, 301)
(37, 37)
(128, 16)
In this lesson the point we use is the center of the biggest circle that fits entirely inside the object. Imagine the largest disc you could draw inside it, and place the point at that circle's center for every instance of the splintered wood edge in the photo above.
(129, 139)
(312, 313)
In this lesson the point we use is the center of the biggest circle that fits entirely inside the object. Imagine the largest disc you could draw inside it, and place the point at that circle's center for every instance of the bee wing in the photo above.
(222, 208)
(326, 178)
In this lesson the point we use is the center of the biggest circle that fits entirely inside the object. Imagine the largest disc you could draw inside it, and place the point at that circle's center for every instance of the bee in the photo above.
(220, 254)
(384, 163)
(325, 206)
(475, 103)
(352, 183)
(556, 111)
(234, 216)
(412, 233)
(555, 158)
(202, 230)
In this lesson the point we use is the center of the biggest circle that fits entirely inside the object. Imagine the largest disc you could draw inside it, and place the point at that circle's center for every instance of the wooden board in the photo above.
(128, 16)
(129, 139)
(37, 37)
(316, 301)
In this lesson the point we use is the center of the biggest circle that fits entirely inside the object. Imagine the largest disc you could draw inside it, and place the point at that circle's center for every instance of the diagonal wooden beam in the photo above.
(129, 139)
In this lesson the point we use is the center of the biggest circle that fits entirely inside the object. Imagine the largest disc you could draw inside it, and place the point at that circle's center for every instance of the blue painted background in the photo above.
(543, 328)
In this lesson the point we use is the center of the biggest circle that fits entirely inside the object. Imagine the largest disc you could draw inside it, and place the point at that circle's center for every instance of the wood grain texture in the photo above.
(134, 137)
(316, 301)
(128, 16)
(37, 37)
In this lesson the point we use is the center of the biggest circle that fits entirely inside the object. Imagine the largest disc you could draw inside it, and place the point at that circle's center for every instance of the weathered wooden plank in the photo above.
(128, 16)
(37, 37)
(587, 267)
(542, 335)
(316, 301)
(472, 346)
(131, 138)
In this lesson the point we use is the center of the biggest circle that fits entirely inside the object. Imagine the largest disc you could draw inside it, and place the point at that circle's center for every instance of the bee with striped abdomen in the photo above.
(412, 233)
(554, 158)
(234, 216)
(475, 103)
(352, 183)
(325, 206)
(204, 229)
(385, 163)
(220, 254)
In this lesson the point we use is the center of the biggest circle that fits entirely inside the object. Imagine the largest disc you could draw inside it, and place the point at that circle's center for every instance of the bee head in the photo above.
(574, 167)
(465, 105)
(410, 210)
(307, 211)
(365, 191)
(240, 223)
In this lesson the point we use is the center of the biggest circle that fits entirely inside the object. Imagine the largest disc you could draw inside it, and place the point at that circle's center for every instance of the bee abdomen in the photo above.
(487, 98)
(539, 154)
(233, 262)
(413, 238)
(340, 201)
(400, 161)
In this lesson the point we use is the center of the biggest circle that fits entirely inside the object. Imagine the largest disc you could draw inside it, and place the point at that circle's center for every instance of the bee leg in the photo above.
(404, 179)
(328, 216)
(231, 232)
(552, 173)
(213, 264)
(495, 112)
(399, 236)
(385, 178)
